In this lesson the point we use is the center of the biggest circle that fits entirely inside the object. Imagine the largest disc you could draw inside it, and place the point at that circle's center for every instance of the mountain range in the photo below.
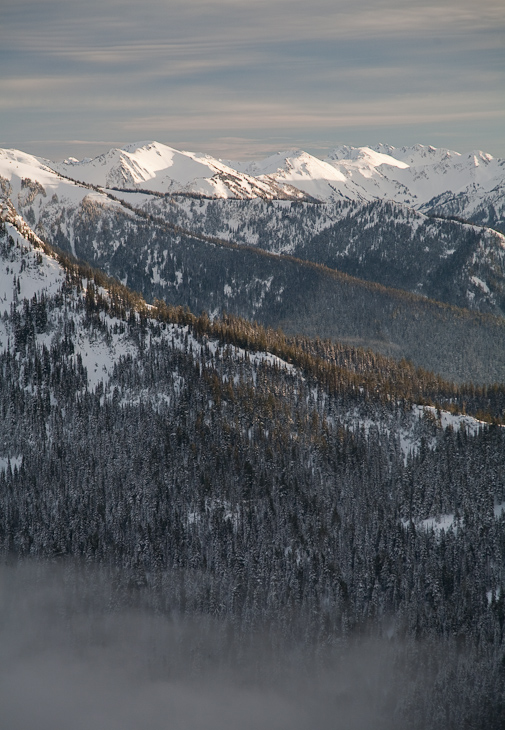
(424, 178)
(181, 227)
(317, 458)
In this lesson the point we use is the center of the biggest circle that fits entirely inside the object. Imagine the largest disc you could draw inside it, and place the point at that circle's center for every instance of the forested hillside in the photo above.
(163, 261)
(382, 241)
(309, 490)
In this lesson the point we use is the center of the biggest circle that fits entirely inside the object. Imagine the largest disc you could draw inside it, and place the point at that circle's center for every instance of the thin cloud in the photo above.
(233, 67)
(227, 23)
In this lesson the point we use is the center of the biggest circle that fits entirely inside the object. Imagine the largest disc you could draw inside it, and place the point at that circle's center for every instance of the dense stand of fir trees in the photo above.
(225, 486)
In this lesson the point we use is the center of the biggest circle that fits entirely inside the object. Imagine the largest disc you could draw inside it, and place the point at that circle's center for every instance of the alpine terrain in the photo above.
(266, 399)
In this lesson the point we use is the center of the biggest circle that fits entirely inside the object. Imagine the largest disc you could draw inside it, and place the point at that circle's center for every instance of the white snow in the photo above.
(499, 510)
(497, 592)
(481, 284)
(299, 169)
(16, 166)
(15, 461)
(454, 421)
(439, 523)
(447, 522)
(157, 167)
(26, 272)
(411, 176)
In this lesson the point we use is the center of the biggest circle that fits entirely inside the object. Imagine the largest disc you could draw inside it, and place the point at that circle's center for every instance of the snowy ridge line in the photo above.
(30, 271)
(164, 169)
(126, 302)
(8, 214)
(417, 176)
(300, 198)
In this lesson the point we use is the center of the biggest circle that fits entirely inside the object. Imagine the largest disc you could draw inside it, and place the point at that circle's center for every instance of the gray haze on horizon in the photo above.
(239, 79)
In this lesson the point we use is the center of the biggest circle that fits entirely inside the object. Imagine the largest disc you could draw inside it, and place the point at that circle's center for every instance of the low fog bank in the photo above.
(78, 652)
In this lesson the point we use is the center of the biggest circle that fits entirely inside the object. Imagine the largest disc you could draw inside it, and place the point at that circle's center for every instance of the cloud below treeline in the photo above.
(77, 652)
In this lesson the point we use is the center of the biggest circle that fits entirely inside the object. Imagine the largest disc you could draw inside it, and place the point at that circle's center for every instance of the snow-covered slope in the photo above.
(23, 177)
(375, 174)
(39, 194)
(432, 179)
(418, 174)
(415, 176)
(27, 271)
(157, 167)
(308, 173)
(31, 282)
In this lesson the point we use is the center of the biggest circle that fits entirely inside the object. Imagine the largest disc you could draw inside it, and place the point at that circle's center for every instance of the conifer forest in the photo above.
(296, 503)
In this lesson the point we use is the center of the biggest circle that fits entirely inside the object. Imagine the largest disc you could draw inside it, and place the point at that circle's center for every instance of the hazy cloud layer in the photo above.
(236, 77)
(73, 655)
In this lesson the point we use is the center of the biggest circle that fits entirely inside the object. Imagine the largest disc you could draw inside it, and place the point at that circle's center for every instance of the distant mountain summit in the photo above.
(162, 169)
(414, 175)
(431, 179)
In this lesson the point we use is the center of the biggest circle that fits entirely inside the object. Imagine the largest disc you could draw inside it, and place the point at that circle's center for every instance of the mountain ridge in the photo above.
(299, 296)
(415, 175)
(222, 474)
(196, 251)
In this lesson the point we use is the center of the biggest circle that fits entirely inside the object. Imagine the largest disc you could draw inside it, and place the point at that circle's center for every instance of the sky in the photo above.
(240, 79)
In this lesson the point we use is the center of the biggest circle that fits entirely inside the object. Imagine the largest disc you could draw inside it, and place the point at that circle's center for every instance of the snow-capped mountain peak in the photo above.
(298, 168)
(134, 165)
(154, 166)
(363, 157)
(417, 154)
